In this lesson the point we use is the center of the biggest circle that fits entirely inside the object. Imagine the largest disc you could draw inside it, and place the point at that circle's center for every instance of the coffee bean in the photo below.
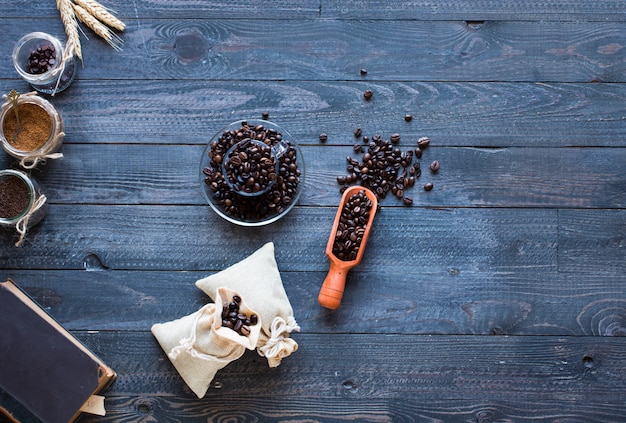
(407, 201)
(394, 138)
(358, 148)
(367, 94)
(434, 166)
(265, 115)
(428, 186)
(41, 60)
(363, 72)
(323, 137)
(233, 319)
(408, 118)
(357, 132)
(418, 152)
(423, 142)
(270, 203)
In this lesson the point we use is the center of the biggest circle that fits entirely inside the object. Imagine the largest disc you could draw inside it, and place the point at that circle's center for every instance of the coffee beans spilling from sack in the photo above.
(352, 225)
(233, 319)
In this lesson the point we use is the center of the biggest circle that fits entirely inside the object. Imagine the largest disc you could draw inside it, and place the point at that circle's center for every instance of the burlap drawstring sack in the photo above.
(258, 279)
(198, 345)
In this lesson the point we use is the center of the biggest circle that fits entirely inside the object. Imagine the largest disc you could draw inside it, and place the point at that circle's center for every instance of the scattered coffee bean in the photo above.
(366, 139)
(323, 137)
(418, 152)
(408, 118)
(265, 115)
(423, 142)
(367, 94)
(233, 319)
(352, 225)
(428, 186)
(434, 166)
(363, 71)
(407, 201)
(394, 138)
(358, 148)
(357, 132)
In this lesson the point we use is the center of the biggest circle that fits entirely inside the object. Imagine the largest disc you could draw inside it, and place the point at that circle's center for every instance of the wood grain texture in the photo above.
(456, 301)
(505, 10)
(500, 296)
(451, 114)
(481, 373)
(186, 238)
(333, 50)
(468, 177)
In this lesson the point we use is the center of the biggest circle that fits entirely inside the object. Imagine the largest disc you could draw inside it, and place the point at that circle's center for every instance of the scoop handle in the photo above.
(332, 289)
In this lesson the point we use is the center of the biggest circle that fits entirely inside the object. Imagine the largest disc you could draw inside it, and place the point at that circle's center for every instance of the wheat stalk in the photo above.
(101, 13)
(98, 27)
(71, 27)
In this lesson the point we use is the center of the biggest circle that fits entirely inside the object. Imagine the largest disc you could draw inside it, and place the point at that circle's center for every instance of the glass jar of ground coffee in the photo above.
(35, 134)
(40, 59)
(22, 202)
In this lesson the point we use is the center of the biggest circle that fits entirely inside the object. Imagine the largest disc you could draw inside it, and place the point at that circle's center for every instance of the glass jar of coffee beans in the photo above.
(39, 58)
(259, 190)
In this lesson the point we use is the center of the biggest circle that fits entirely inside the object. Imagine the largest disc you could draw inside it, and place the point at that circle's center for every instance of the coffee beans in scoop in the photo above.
(233, 319)
(352, 225)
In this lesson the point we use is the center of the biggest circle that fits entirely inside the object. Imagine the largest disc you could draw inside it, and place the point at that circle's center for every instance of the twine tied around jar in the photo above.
(30, 162)
(22, 225)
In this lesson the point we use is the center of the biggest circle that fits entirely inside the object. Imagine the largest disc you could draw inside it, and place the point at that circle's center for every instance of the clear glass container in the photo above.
(60, 74)
(256, 210)
(35, 208)
(30, 158)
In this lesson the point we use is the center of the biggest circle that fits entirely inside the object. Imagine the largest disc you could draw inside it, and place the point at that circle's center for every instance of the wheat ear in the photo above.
(101, 13)
(98, 27)
(71, 27)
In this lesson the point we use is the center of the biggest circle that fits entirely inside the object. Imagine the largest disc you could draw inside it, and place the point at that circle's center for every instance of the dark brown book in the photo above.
(44, 367)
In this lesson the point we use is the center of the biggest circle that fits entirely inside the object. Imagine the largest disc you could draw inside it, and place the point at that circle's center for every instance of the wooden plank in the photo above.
(468, 177)
(332, 50)
(383, 378)
(459, 301)
(451, 114)
(137, 10)
(193, 238)
(545, 10)
(593, 241)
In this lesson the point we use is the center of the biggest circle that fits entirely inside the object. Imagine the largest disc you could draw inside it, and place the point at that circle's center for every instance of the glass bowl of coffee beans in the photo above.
(252, 172)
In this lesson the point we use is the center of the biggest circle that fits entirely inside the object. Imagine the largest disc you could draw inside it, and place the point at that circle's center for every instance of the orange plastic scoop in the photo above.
(332, 289)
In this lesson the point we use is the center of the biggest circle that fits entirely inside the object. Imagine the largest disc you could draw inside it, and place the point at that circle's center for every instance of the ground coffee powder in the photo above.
(36, 127)
(13, 196)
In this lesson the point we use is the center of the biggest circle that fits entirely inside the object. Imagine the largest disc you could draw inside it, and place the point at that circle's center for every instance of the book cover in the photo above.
(42, 365)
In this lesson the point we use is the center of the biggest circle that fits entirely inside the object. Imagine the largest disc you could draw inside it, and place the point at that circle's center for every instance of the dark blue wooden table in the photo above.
(500, 295)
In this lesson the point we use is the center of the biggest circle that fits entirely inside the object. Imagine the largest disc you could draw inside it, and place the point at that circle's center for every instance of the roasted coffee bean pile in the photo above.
(250, 167)
(352, 225)
(41, 60)
(385, 168)
(233, 319)
(271, 203)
